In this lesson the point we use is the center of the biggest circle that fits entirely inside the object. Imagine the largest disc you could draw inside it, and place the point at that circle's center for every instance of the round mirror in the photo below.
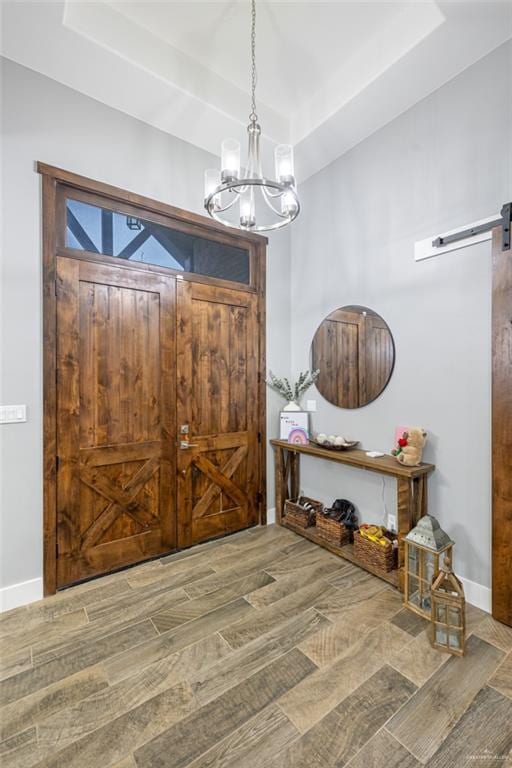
(354, 350)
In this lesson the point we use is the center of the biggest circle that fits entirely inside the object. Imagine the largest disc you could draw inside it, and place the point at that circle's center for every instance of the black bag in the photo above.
(343, 511)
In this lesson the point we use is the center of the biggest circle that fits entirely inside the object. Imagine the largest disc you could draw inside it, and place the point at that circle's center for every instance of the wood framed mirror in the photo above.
(354, 351)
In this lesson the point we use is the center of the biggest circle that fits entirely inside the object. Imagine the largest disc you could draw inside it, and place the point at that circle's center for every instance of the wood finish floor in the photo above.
(257, 651)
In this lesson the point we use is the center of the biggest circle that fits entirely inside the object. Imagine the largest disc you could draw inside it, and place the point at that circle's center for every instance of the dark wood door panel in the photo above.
(115, 418)
(217, 343)
(501, 430)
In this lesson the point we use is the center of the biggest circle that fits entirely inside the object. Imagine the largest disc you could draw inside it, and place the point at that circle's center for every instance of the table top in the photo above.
(356, 457)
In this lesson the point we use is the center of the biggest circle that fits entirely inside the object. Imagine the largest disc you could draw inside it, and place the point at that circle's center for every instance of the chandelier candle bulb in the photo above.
(283, 155)
(211, 182)
(230, 159)
(288, 203)
(247, 219)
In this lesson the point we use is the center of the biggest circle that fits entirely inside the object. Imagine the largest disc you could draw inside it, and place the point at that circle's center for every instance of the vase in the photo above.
(292, 406)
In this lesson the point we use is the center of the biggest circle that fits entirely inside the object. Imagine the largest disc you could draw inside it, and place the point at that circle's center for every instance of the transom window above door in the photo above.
(97, 229)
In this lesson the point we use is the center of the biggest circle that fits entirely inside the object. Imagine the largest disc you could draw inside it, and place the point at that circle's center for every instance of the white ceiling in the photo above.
(329, 73)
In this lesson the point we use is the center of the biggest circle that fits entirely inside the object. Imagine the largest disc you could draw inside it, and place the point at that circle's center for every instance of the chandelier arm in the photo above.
(268, 201)
(235, 199)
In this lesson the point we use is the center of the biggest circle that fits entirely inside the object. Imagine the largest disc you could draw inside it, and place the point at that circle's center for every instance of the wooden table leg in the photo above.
(404, 515)
(280, 482)
(294, 475)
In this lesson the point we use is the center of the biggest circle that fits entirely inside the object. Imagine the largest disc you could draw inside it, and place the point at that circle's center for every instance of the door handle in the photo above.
(185, 445)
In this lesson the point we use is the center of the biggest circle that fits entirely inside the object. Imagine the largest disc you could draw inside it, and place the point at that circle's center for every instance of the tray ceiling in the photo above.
(329, 73)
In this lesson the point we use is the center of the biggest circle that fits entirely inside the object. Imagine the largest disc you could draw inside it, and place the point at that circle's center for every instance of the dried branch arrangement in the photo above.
(293, 392)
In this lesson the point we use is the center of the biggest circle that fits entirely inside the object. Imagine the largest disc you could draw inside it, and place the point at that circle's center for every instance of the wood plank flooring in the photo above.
(259, 650)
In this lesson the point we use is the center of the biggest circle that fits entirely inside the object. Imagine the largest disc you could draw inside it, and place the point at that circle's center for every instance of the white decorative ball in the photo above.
(331, 438)
(339, 441)
(321, 438)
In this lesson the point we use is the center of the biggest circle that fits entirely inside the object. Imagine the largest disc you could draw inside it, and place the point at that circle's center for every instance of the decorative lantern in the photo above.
(448, 611)
(424, 546)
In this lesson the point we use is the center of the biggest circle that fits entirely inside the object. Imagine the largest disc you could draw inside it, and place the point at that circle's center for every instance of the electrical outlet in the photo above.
(392, 523)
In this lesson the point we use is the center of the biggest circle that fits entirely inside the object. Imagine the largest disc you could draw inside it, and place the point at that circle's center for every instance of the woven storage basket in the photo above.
(383, 558)
(298, 516)
(331, 530)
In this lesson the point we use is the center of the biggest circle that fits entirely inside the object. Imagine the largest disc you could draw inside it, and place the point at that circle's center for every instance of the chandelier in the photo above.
(263, 204)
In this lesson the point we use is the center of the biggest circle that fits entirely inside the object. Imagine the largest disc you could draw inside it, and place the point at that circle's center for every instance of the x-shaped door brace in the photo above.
(221, 479)
(121, 498)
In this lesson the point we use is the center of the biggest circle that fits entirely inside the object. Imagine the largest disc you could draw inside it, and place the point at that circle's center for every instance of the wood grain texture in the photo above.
(33, 709)
(115, 418)
(288, 584)
(75, 642)
(257, 654)
(422, 725)
(252, 745)
(179, 745)
(310, 701)
(350, 625)
(245, 566)
(132, 523)
(410, 622)
(45, 611)
(20, 751)
(486, 722)
(124, 664)
(330, 742)
(218, 398)
(357, 457)
(94, 711)
(101, 691)
(13, 661)
(117, 739)
(54, 631)
(383, 751)
(411, 498)
(355, 354)
(418, 660)
(493, 631)
(192, 609)
(33, 680)
(502, 678)
(501, 431)
(262, 621)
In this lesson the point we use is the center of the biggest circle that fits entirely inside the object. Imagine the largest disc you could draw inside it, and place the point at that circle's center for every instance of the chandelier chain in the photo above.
(253, 117)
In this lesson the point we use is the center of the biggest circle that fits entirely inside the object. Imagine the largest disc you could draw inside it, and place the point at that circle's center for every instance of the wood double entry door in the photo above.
(158, 413)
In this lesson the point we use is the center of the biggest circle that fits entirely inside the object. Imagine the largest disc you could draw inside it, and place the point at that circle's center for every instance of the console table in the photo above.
(411, 494)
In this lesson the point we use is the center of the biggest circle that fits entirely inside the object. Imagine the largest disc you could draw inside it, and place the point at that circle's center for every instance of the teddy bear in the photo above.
(410, 447)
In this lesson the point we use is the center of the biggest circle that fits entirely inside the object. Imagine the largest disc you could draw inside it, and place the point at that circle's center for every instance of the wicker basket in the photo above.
(298, 516)
(331, 530)
(383, 558)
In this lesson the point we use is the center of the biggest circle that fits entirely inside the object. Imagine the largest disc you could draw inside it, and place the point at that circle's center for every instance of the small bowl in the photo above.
(347, 445)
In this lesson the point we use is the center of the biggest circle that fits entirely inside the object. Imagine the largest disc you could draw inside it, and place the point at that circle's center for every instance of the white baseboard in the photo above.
(477, 594)
(271, 516)
(20, 594)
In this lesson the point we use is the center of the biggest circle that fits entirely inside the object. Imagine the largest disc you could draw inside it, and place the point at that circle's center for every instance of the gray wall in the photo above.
(444, 163)
(43, 120)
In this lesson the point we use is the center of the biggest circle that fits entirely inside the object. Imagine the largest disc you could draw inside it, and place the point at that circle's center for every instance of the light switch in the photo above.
(311, 405)
(12, 414)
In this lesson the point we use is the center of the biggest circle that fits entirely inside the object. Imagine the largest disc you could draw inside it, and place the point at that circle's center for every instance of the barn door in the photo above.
(501, 430)
(115, 417)
(217, 354)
